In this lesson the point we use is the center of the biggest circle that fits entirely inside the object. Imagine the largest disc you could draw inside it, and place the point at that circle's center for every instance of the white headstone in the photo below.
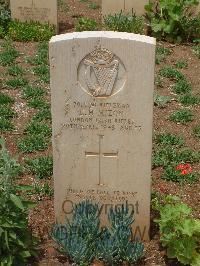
(102, 106)
(44, 11)
(116, 6)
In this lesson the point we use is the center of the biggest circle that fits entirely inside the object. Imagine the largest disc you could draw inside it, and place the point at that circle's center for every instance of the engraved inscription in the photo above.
(96, 115)
(101, 73)
(99, 154)
(34, 12)
(102, 195)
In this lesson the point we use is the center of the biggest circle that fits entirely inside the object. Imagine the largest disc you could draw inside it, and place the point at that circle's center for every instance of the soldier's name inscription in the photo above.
(99, 115)
(34, 12)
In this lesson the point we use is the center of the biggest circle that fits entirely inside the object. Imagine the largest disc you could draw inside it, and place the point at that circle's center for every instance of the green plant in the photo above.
(161, 100)
(166, 139)
(172, 73)
(43, 190)
(86, 24)
(164, 156)
(115, 247)
(180, 233)
(63, 6)
(167, 155)
(7, 112)
(33, 143)
(172, 19)
(5, 124)
(37, 103)
(42, 56)
(38, 128)
(83, 240)
(8, 56)
(188, 156)
(159, 81)
(5, 16)
(191, 26)
(17, 82)
(15, 70)
(30, 31)
(41, 167)
(181, 63)
(32, 92)
(172, 174)
(5, 99)
(93, 5)
(182, 116)
(17, 244)
(124, 23)
(181, 87)
(2, 32)
(196, 50)
(43, 114)
(79, 238)
(161, 54)
(43, 72)
(189, 99)
(196, 131)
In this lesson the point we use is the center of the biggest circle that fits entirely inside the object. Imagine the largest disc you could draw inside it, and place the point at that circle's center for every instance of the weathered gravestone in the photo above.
(115, 6)
(44, 11)
(102, 100)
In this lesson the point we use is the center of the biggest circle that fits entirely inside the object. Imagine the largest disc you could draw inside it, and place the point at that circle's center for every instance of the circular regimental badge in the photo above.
(101, 73)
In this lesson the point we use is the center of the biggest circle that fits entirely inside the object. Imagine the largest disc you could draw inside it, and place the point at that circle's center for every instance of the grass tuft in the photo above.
(16, 83)
(5, 99)
(182, 116)
(189, 99)
(38, 103)
(42, 115)
(161, 54)
(181, 87)
(36, 128)
(196, 131)
(6, 125)
(32, 92)
(33, 143)
(172, 73)
(166, 139)
(7, 112)
(41, 167)
(181, 64)
(15, 70)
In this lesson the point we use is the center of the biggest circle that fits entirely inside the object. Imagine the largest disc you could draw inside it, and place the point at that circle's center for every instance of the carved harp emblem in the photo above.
(101, 72)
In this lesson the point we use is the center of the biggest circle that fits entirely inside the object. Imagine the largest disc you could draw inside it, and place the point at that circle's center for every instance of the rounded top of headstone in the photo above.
(104, 34)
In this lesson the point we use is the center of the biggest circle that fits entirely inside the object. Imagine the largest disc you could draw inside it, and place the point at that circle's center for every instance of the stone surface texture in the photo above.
(44, 11)
(102, 106)
(115, 6)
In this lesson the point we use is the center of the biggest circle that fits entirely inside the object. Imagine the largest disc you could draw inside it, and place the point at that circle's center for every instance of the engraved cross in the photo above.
(101, 155)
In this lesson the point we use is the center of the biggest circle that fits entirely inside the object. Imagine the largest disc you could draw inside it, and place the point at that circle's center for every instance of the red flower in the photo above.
(184, 172)
(180, 167)
(184, 168)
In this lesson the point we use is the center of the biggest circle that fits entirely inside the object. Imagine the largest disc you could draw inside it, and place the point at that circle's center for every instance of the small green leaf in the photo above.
(13, 235)
(196, 260)
(24, 187)
(17, 201)
(25, 254)
(29, 204)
